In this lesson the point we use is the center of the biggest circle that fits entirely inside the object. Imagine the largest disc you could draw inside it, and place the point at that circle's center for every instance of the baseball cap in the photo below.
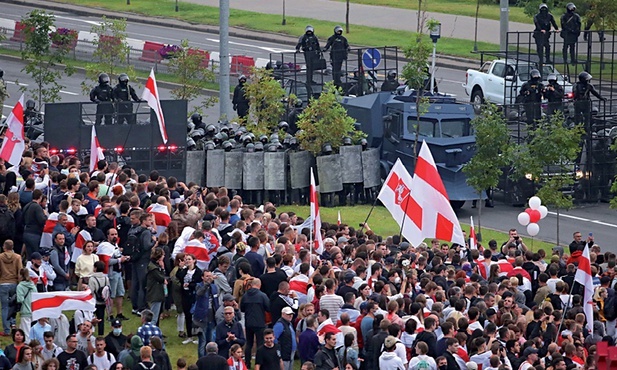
(36, 256)
(404, 246)
(45, 252)
(116, 323)
(287, 311)
(390, 342)
(389, 260)
(374, 297)
(342, 239)
(228, 297)
(529, 351)
(493, 244)
(349, 276)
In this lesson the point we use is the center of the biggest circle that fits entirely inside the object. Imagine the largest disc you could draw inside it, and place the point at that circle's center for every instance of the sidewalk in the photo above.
(461, 27)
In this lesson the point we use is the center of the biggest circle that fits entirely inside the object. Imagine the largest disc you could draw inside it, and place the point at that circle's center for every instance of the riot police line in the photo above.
(276, 168)
(114, 105)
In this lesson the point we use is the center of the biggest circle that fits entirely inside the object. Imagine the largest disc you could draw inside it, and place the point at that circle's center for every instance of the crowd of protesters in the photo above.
(248, 288)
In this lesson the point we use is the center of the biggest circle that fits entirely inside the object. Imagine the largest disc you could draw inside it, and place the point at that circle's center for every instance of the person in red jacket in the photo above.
(235, 360)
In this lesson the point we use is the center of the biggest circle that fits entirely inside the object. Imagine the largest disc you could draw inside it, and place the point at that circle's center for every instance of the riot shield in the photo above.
(275, 171)
(300, 169)
(371, 168)
(329, 172)
(233, 170)
(253, 168)
(215, 168)
(351, 164)
(195, 166)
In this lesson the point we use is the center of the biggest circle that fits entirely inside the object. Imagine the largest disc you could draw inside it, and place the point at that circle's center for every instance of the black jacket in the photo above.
(254, 305)
(212, 361)
(339, 46)
(34, 218)
(430, 339)
(115, 345)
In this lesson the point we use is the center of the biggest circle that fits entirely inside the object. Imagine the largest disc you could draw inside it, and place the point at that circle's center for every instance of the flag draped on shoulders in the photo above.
(82, 237)
(161, 217)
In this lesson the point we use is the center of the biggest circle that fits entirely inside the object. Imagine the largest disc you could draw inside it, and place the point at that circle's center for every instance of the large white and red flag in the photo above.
(583, 277)
(13, 145)
(316, 218)
(96, 151)
(396, 196)
(438, 218)
(80, 240)
(151, 95)
(105, 251)
(161, 217)
(200, 251)
(52, 304)
(48, 230)
(473, 241)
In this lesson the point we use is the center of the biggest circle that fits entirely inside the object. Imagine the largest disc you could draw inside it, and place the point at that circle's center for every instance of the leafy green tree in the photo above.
(492, 152)
(326, 121)
(549, 158)
(110, 53)
(602, 14)
(266, 102)
(42, 59)
(188, 66)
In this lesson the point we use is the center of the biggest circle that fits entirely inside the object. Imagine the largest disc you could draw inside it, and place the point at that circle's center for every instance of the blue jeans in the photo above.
(32, 242)
(206, 335)
(138, 294)
(6, 290)
(155, 307)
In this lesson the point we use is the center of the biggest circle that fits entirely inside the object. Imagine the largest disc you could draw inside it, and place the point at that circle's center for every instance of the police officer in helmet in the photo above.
(30, 112)
(340, 48)
(582, 99)
(309, 43)
(553, 92)
(102, 94)
(531, 96)
(391, 83)
(123, 93)
(542, 33)
(570, 30)
(240, 100)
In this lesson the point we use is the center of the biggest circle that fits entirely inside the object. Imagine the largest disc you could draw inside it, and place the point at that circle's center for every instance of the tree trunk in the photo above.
(475, 38)
(419, 28)
(347, 18)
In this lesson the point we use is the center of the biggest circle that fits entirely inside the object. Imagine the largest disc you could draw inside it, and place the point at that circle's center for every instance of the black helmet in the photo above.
(209, 145)
(347, 141)
(196, 117)
(552, 77)
(250, 147)
(584, 77)
(391, 74)
(364, 144)
(1, 73)
(227, 145)
(338, 29)
(283, 126)
(211, 130)
(30, 104)
(309, 28)
(123, 77)
(103, 78)
(259, 146)
(225, 129)
(242, 77)
(274, 137)
(326, 149)
(570, 7)
(543, 7)
(535, 73)
(263, 139)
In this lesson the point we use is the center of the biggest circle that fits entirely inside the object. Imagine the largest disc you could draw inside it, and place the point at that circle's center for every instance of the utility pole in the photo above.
(224, 101)
(503, 24)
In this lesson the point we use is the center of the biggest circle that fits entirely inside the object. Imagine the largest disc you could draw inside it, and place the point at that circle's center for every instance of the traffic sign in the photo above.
(371, 58)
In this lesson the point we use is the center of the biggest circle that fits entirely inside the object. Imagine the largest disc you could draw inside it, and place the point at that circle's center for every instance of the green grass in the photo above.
(199, 14)
(382, 223)
(456, 7)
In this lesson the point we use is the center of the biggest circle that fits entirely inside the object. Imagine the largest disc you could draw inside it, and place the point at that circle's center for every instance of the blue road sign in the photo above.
(371, 58)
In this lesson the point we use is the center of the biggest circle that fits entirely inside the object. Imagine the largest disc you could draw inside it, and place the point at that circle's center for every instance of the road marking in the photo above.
(584, 219)
(68, 93)
(15, 83)
(79, 20)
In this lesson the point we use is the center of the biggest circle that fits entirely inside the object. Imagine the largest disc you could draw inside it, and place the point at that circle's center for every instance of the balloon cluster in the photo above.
(532, 215)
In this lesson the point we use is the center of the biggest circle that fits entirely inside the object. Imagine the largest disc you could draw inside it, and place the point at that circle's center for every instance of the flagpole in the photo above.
(400, 234)
(369, 214)
(565, 308)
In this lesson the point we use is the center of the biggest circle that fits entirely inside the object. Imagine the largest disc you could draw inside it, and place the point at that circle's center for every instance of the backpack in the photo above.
(102, 293)
(555, 301)
(7, 223)
(92, 357)
(422, 364)
(123, 224)
(132, 247)
(610, 311)
(246, 285)
(14, 306)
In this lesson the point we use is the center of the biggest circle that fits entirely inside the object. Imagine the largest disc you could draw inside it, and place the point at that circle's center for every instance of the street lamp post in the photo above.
(435, 35)
(176, 5)
(284, 20)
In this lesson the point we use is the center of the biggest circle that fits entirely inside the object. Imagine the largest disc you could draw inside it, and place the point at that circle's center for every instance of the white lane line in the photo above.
(584, 219)
(78, 20)
(68, 93)
(15, 83)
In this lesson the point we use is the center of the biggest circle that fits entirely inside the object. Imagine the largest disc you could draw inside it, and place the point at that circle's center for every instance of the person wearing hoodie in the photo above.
(10, 265)
(133, 356)
(155, 283)
(254, 305)
(25, 289)
(388, 359)
(220, 278)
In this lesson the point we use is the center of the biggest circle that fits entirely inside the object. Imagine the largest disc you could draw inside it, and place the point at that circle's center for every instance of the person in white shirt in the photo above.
(50, 349)
(422, 361)
(101, 358)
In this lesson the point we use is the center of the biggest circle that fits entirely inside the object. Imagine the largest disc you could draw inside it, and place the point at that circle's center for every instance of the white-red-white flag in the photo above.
(396, 196)
(161, 217)
(151, 95)
(52, 304)
(316, 230)
(96, 151)
(473, 242)
(338, 220)
(438, 218)
(80, 240)
(200, 251)
(48, 229)
(105, 251)
(13, 145)
(583, 277)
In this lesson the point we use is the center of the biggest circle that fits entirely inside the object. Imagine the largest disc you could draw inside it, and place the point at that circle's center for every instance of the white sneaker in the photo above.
(196, 341)
(187, 341)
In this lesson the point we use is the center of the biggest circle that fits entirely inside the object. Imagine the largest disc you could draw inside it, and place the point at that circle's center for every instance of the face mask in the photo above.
(397, 280)
(117, 331)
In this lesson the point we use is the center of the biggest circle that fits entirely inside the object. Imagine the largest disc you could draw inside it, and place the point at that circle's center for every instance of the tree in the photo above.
(266, 98)
(549, 158)
(492, 152)
(110, 53)
(325, 121)
(600, 13)
(42, 60)
(188, 66)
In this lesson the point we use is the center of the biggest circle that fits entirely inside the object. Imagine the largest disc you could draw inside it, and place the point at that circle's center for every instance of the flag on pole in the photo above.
(151, 95)
(13, 145)
(96, 151)
(52, 304)
(438, 218)
(318, 242)
(396, 196)
(583, 277)
(473, 242)
(338, 220)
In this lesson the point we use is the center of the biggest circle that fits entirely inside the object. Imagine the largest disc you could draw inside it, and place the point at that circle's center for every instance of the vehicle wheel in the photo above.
(477, 99)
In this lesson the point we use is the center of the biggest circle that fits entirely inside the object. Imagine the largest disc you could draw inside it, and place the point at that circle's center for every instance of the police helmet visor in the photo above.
(535, 73)
(543, 7)
(571, 6)
(338, 29)
(123, 78)
(309, 29)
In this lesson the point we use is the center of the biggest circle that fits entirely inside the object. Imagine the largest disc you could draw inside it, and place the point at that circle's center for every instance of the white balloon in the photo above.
(534, 202)
(523, 218)
(533, 229)
(543, 211)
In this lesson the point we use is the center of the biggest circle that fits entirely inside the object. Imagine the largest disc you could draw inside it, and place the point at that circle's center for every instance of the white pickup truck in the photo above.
(499, 81)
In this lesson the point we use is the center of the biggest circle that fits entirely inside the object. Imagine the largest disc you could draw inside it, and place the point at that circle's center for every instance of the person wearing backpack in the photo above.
(101, 358)
(146, 360)
(140, 242)
(422, 361)
(99, 285)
